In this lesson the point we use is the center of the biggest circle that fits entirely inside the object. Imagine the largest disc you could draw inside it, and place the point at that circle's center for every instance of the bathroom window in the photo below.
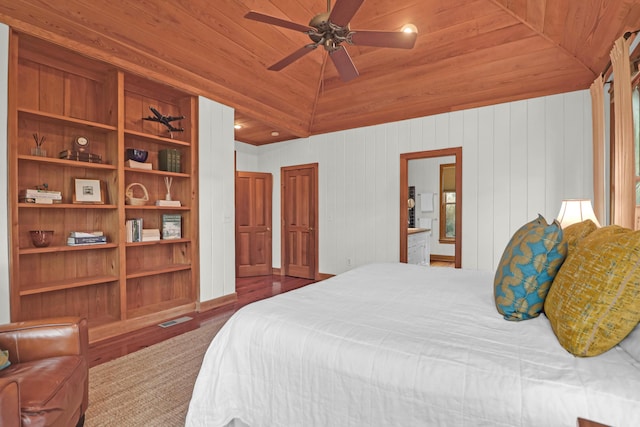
(447, 203)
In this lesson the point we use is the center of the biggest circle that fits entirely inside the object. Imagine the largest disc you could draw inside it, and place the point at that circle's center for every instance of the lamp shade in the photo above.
(576, 210)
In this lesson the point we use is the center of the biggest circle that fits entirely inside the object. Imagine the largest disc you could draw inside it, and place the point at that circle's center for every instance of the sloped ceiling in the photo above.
(469, 53)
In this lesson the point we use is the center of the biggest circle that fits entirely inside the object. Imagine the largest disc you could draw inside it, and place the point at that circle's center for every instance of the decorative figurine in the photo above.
(165, 120)
(168, 180)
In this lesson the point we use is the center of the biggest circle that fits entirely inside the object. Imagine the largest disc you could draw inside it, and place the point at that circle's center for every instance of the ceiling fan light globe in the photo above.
(409, 28)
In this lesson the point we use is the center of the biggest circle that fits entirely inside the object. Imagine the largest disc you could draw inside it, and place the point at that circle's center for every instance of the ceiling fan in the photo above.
(330, 30)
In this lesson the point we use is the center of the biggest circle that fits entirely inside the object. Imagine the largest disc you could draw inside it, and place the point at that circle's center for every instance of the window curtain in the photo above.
(597, 115)
(623, 189)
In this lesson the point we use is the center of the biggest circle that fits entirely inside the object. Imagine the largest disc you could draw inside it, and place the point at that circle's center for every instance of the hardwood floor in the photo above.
(248, 289)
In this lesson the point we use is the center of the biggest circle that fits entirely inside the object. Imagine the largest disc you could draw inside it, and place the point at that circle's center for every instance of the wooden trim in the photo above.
(217, 302)
(442, 258)
(324, 276)
(12, 139)
(276, 271)
(404, 184)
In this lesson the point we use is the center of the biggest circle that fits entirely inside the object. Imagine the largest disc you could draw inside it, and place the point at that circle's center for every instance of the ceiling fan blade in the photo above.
(343, 11)
(293, 57)
(344, 64)
(260, 17)
(396, 39)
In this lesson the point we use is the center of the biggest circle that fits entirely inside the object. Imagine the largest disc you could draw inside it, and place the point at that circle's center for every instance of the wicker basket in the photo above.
(130, 199)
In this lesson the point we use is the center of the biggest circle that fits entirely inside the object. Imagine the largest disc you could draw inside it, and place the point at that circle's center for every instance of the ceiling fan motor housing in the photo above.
(327, 33)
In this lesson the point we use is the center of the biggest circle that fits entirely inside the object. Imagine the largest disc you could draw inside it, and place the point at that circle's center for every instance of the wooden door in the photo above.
(253, 223)
(299, 221)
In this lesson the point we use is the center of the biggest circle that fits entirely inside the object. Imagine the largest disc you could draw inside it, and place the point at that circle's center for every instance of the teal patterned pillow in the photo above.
(4, 359)
(527, 268)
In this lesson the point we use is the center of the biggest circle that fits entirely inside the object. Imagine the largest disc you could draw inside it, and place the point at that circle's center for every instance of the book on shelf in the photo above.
(42, 197)
(171, 226)
(138, 165)
(80, 156)
(38, 200)
(150, 234)
(134, 230)
(171, 203)
(169, 160)
(40, 194)
(86, 233)
(93, 240)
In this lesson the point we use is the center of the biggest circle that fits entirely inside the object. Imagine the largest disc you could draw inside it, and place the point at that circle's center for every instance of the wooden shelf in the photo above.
(157, 208)
(58, 285)
(66, 206)
(172, 268)
(159, 242)
(64, 120)
(156, 138)
(157, 172)
(31, 251)
(67, 163)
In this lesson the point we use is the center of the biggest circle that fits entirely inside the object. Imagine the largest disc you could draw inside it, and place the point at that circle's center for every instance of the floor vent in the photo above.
(175, 321)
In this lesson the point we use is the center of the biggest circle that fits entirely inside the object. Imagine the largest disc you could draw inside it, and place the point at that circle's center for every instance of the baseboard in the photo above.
(217, 302)
(324, 276)
(442, 258)
(276, 271)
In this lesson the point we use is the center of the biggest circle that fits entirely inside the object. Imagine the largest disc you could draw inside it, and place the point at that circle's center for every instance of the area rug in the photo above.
(151, 387)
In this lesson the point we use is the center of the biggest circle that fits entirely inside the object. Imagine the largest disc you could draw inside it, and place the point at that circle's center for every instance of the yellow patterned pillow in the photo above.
(574, 233)
(594, 301)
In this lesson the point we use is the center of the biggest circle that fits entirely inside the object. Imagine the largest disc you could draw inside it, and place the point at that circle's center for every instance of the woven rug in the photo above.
(151, 387)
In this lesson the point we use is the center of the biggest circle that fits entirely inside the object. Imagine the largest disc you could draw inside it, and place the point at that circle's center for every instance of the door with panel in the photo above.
(299, 221)
(253, 224)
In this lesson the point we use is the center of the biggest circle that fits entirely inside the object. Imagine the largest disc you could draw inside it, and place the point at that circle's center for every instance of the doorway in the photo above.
(404, 200)
(299, 198)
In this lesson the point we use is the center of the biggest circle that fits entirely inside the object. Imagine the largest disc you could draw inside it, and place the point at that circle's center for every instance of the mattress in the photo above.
(403, 345)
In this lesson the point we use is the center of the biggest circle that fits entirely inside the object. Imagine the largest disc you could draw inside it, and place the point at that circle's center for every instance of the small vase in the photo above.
(38, 151)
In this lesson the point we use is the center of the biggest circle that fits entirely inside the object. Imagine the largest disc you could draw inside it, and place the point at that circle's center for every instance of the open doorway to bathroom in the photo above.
(423, 210)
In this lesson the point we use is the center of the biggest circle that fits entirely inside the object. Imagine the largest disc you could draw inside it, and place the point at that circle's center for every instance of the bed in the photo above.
(403, 345)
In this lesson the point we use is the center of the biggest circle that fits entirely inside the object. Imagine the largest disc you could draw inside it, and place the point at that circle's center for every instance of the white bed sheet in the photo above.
(403, 345)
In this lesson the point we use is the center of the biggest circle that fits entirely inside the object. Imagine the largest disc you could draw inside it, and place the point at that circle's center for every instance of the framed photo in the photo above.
(88, 191)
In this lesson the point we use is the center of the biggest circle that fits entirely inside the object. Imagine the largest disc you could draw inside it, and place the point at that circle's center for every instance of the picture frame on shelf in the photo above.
(90, 191)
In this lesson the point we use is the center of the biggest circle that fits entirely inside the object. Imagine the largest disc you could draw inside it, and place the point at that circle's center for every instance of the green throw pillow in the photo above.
(527, 267)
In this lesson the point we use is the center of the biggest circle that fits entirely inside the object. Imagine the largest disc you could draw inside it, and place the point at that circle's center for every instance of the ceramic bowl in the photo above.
(41, 238)
(136, 154)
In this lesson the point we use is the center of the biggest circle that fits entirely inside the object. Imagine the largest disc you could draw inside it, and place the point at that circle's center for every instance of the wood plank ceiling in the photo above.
(469, 53)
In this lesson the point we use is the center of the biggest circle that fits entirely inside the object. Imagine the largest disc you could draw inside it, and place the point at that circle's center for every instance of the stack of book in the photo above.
(138, 165)
(80, 238)
(134, 230)
(80, 156)
(150, 234)
(32, 195)
(169, 160)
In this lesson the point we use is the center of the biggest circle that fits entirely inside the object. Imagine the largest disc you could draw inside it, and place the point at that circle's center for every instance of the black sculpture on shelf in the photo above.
(165, 120)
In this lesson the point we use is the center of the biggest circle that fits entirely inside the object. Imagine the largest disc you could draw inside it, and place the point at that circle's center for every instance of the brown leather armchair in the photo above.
(49, 373)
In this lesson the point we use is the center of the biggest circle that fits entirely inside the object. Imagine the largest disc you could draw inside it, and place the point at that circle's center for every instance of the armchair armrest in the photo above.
(9, 403)
(39, 339)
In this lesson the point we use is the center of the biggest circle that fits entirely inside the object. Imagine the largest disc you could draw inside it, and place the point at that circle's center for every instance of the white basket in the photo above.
(130, 199)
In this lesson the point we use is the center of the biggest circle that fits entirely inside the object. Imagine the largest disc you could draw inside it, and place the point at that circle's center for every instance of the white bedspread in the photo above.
(403, 345)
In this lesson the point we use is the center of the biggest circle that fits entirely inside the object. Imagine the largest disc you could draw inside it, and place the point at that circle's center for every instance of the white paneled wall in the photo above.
(4, 187)
(216, 199)
(248, 160)
(519, 159)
